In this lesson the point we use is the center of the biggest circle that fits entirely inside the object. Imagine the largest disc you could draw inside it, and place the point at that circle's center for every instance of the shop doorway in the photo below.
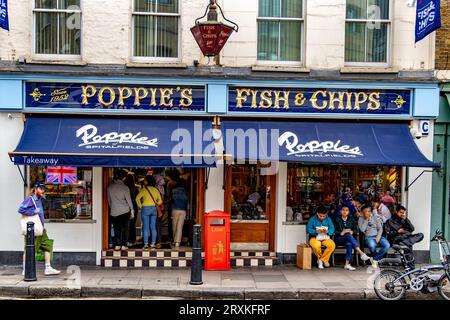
(250, 198)
(194, 179)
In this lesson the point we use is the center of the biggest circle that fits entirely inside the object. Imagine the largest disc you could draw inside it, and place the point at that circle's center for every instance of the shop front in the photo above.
(292, 147)
(77, 135)
(296, 148)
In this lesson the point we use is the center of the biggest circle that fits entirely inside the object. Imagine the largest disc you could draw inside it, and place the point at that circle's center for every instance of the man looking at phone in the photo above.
(345, 231)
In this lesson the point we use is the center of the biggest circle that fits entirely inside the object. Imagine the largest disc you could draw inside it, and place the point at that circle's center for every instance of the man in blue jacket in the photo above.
(32, 205)
(320, 227)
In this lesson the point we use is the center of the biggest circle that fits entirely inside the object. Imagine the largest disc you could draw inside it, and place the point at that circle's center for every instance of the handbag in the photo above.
(38, 227)
(160, 208)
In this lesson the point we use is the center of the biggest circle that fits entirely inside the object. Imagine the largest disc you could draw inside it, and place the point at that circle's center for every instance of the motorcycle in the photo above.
(392, 284)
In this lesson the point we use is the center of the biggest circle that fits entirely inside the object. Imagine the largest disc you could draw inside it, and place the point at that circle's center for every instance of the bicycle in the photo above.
(391, 284)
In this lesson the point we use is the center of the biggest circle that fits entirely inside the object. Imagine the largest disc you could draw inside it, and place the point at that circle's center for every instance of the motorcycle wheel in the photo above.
(382, 282)
(444, 287)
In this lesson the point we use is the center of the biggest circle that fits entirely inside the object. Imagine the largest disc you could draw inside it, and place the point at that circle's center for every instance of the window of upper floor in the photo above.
(280, 31)
(367, 33)
(156, 30)
(57, 29)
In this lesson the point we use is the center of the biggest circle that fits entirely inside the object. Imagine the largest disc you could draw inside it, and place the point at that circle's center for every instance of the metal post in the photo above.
(196, 268)
(30, 260)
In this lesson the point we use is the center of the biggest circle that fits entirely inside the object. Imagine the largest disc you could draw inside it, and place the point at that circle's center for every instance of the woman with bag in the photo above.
(149, 200)
(31, 209)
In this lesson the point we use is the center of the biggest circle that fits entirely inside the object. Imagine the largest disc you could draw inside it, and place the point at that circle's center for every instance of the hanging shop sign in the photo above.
(114, 96)
(308, 100)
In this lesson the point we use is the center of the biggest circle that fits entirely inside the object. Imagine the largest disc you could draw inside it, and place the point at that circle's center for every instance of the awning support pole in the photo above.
(438, 170)
(23, 177)
(208, 170)
(224, 171)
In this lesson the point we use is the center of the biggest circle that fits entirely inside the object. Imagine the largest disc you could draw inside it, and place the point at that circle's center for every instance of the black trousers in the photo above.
(132, 229)
(158, 230)
(121, 225)
(409, 240)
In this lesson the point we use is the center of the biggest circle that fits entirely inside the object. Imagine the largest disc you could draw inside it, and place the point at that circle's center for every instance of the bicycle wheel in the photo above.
(385, 287)
(444, 287)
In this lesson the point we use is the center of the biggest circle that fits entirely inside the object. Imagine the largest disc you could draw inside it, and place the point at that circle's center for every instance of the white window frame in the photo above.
(41, 56)
(139, 59)
(388, 40)
(302, 35)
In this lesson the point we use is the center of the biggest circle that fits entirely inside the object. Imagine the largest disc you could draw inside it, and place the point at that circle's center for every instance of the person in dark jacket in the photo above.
(345, 229)
(131, 184)
(180, 208)
(399, 229)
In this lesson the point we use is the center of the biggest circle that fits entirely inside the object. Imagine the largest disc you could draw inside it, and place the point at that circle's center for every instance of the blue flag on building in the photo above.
(428, 17)
(4, 23)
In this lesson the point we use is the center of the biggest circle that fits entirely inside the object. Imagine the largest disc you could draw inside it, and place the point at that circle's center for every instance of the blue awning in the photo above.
(115, 142)
(388, 144)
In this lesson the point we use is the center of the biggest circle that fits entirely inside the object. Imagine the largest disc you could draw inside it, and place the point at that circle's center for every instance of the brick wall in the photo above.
(443, 38)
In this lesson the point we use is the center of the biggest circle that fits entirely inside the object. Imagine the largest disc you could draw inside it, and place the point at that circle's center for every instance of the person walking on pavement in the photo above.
(119, 200)
(32, 205)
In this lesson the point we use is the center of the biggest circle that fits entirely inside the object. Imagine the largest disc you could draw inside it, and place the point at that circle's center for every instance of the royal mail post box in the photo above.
(217, 241)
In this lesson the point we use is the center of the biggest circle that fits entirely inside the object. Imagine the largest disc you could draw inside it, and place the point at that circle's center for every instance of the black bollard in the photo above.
(196, 268)
(30, 260)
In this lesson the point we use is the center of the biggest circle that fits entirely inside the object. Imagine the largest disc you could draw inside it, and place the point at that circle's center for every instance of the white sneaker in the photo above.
(365, 257)
(124, 248)
(374, 263)
(177, 244)
(349, 267)
(320, 264)
(117, 248)
(49, 271)
(326, 264)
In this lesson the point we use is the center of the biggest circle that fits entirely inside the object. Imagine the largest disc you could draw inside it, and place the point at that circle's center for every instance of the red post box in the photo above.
(217, 241)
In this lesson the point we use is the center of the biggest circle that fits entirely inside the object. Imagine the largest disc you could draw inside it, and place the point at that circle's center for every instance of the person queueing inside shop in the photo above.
(122, 211)
(320, 228)
(180, 208)
(372, 228)
(173, 176)
(32, 205)
(147, 200)
(345, 231)
(131, 184)
(399, 230)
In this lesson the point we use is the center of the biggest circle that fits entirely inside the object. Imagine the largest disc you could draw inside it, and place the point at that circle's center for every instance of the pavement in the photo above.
(278, 282)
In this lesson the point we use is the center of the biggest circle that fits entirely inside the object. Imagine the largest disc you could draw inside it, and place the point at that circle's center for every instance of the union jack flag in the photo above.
(61, 175)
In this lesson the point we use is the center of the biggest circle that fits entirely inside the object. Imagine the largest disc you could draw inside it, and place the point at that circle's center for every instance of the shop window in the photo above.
(367, 30)
(250, 193)
(68, 193)
(280, 30)
(311, 186)
(156, 29)
(57, 27)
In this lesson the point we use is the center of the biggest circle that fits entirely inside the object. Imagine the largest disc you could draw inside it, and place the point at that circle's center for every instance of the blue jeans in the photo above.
(372, 245)
(349, 242)
(148, 215)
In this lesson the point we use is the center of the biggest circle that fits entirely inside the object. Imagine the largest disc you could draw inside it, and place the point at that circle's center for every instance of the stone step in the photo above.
(133, 262)
(181, 253)
(180, 258)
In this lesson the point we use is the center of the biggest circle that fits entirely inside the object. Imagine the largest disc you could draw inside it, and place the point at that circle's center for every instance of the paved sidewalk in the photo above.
(279, 282)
